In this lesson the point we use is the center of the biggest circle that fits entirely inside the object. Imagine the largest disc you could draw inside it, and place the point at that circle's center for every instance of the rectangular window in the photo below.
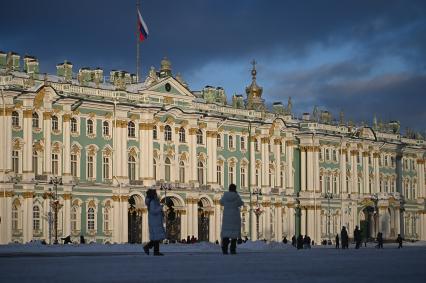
(90, 167)
(15, 162)
(73, 165)
(243, 177)
(105, 171)
(55, 164)
(219, 175)
(242, 143)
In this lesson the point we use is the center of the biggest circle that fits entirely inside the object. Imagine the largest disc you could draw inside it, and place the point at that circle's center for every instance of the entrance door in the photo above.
(172, 219)
(134, 223)
(203, 225)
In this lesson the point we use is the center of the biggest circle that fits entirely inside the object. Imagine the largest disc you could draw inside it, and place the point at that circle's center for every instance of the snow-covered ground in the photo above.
(203, 262)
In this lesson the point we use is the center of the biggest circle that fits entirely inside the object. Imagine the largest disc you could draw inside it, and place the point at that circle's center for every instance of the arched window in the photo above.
(15, 161)
(243, 177)
(321, 180)
(230, 141)
(90, 167)
(105, 168)
(334, 155)
(167, 165)
(219, 140)
(154, 169)
(74, 218)
(91, 218)
(182, 135)
(335, 185)
(74, 165)
(74, 125)
(15, 119)
(90, 127)
(242, 143)
(200, 172)
(36, 218)
(105, 128)
(132, 168)
(131, 132)
(107, 218)
(167, 133)
(15, 217)
(282, 179)
(182, 172)
(36, 124)
(327, 154)
(219, 175)
(256, 145)
(199, 136)
(154, 132)
(55, 164)
(35, 162)
(231, 175)
(55, 123)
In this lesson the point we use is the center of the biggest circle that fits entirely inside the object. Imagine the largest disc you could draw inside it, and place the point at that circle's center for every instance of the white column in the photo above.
(265, 163)
(310, 167)
(47, 128)
(365, 173)
(116, 237)
(267, 222)
(145, 229)
(303, 168)
(27, 168)
(279, 222)
(252, 178)
(67, 214)
(195, 218)
(354, 154)
(27, 219)
(217, 218)
(303, 220)
(343, 187)
(211, 162)
(376, 184)
(193, 155)
(289, 161)
(124, 219)
(189, 215)
(291, 216)
(212, 232)
(66, 136)
(277, 156)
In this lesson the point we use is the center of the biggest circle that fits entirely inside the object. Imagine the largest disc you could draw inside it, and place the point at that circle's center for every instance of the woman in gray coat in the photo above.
(231, 222)
(155, 222)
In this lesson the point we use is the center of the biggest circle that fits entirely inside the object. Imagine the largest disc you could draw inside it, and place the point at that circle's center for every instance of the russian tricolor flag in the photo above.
(143, 29)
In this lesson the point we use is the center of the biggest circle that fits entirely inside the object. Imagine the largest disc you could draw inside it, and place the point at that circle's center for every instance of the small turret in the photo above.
(64, 70)
(166, 68)
(254, 93)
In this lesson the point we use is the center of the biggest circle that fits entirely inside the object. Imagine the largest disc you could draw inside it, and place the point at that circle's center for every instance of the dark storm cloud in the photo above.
(388, 39)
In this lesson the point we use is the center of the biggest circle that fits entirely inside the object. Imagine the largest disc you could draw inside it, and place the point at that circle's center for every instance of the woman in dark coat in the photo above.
(345, 238)
(231, 223)
(300, 242)
(155, 222)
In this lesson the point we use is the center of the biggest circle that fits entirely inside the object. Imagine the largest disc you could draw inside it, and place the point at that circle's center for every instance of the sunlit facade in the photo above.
(111, 139)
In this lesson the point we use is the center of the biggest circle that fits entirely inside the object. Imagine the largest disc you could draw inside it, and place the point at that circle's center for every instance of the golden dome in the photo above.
(253, 90)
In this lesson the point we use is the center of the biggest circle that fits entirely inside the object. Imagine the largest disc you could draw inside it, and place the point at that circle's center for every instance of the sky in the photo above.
(365, 58)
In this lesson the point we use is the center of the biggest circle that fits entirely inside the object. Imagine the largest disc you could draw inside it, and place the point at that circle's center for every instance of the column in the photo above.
(116, 219)
(354, 167)
(343, 187)
(212, 230)
(27, 156)
(47, 128)
(310, 171)
(146, 172)
(265, 163)
(5, 142)
(66, 137)
(289, 160)
(303, 168)
(189, 215)
(421, 178)
(291, 220)
(279, 222)
(267, 221)
(183, 223)
(195, 217)
(277, 156)
(211, 162)
(217, 218)
(316, 169)
(310, 223)
(46, 210)
(145, 228)
(365, 173)
(124, 219)
(5, 213)
(303, 221)
(252, 178)
(192, 139)
(27, 217)
(67, 214)
(376, 171)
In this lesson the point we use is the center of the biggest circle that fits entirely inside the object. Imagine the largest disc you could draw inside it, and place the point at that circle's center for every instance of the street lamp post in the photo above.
(165, 187)
(55, 181)
(328, 196)
(258, 210)
(375, 199)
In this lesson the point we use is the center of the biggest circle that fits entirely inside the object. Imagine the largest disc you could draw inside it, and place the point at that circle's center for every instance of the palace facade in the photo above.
(111, 139)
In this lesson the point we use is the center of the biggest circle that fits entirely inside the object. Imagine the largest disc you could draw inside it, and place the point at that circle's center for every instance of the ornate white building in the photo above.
(111, 140)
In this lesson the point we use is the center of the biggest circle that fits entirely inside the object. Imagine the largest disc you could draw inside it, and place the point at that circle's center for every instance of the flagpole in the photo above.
(137, 44)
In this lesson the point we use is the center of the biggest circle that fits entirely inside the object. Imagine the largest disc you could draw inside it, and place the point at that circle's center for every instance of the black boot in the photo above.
(225, 243)
(233, 246)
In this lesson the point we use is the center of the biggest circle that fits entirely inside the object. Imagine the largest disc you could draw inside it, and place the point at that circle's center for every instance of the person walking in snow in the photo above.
(155, 222)
(357, 237)
(231, 223)
(299, 244)
(345, 238)
(399, 241)
(380, 240)
(293, 241)
(337, 241)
